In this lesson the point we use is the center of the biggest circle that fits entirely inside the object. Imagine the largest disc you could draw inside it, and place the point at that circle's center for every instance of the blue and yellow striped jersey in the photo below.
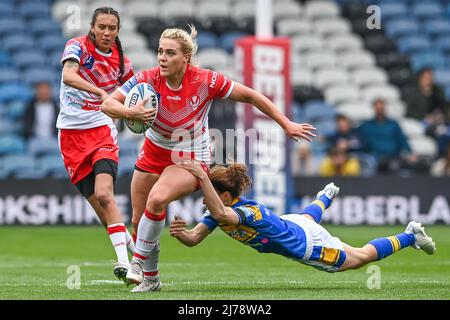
(262, 230)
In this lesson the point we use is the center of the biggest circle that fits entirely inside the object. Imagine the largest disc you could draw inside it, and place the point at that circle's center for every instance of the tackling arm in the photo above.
(191, 237)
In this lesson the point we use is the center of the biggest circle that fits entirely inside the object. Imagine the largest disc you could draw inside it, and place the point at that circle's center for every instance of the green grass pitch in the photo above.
(34, 263)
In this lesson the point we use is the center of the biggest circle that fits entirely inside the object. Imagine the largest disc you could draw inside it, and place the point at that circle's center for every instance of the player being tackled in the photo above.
(295, 236)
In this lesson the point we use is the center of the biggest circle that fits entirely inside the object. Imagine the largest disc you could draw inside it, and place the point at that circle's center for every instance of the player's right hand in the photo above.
(141, 113)
(177, 226)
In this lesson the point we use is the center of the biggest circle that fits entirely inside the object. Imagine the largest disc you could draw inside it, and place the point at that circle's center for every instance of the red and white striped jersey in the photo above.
(80, 109)
(182, 120)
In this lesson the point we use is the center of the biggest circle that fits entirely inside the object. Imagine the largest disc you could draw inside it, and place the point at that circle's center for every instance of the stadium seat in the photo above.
(325, 127)
(368, 76)
(317, 110)
(11, 144)
(213, 9)
(214, 58)
(401, 76)
(286, 10)
(6, 125)
(129, 147)
(35, 75)
(116, 4)
(413, 44)
(379, 43)
(142, 9)
(331, 26)
(427, 10)
(387, 92)
(293, 27)
(227, 40)
(7, 10)
(342, 93)
(321, 9)
(206, 39)
(43, 147)
(304, 43)
(126, 165)
(401, 27)
(393, 10)
(23, 166)
(52, 42)
(175, 9)
(303, 94)
(442, 43)
(18, 43)
(368, 163)
(16, 110)
(437, 27)
(4, 59)
(142, 59)
(326, 77)
(395, 109)
(52, 166)
(392, 60)
(432, 60)
(12, 92)
(323, 59)
(34, 9)
(344, 42)
(29, 59)
(423, 146)
(9, 75)
(11, 26)
(356, 59)
(44, 27)
(243, 10)
(301, 76)
(356, 111)
(412, 127)
(133, 42)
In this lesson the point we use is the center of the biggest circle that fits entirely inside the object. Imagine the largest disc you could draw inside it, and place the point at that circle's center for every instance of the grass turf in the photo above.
(34, 263)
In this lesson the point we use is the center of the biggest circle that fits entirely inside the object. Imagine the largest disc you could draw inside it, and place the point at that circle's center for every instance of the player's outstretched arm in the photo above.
(294, 130)
(220, 213)
(113, 107)
(191, 237)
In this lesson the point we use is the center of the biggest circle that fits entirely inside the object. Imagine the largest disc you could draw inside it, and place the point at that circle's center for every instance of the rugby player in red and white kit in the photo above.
(94, 66)
(180, 131)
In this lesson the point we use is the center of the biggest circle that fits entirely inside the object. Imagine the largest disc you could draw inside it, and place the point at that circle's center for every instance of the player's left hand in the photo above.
(177, 226)
(299, 131)
(194, 167)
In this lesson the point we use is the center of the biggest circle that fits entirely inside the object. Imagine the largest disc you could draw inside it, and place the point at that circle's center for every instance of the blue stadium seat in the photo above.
(129, 147)
(21, 166)
(427, 10)
(442, 76)
(228, 39)
(16, 109)
(413, 44)
(34, 9)
(126, 165)
(42, 27)
(11, 26)
(53, 166)
(298, 112)
(12, 144)
(54, 60)
(392, 10)
(325, 127)
(36, 75)
(9, 127)
(368, 163)
(406, 26)
(432, 60)
(43, 147)
(4, 59)
(9, 75)
(52, 42)
(13, 92)
(7, 10)
(207, 39)
(18, 43)
(442, 43)
(29, 59)
(318, 110)
(437, 27)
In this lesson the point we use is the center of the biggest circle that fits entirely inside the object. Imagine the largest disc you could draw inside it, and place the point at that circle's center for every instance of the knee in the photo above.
(104, 197)
(157, 202)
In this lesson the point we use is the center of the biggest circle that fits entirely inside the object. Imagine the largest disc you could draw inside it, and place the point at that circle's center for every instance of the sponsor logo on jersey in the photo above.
(213, 80)
(194, 102)
(141, 155)
(176, 98)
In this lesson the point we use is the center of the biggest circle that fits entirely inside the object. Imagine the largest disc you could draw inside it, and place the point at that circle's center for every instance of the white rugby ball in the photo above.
(138, 93)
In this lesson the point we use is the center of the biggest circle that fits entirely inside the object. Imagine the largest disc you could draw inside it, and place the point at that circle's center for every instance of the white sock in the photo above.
(118, 239)
(151, 263)
(130, 242)
(149, 230)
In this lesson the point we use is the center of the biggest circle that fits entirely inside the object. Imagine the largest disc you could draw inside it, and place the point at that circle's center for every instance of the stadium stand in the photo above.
(338, 64)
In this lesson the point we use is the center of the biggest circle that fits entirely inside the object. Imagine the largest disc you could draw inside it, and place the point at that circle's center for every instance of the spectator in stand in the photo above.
(40, 114)
(441, 168)
(428, 104)
(304, 163)
(339, 163)
(383, 138)
(345, 137)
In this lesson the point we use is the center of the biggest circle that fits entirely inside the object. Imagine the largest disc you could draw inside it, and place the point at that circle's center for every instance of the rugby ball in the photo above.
(138, 93)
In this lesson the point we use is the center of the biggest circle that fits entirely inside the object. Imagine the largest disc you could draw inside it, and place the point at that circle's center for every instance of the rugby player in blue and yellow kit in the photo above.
(299, 237)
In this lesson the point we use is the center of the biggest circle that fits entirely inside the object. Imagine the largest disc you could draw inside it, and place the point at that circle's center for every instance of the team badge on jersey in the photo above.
(89, 62)
(194, 102)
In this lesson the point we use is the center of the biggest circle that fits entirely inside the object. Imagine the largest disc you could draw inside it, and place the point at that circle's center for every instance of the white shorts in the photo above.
(323, 251)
